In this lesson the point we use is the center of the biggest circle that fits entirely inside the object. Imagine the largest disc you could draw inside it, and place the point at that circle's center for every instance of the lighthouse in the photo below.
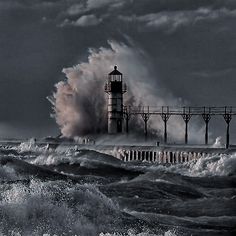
(115, 88)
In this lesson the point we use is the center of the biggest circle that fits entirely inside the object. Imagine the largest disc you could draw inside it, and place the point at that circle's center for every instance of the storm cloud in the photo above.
(189, 48)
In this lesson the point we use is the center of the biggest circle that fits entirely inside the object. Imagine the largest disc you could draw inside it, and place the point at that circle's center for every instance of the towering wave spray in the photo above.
(79, 103)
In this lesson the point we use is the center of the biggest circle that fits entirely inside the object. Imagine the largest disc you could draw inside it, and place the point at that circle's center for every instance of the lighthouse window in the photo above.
(115, 78)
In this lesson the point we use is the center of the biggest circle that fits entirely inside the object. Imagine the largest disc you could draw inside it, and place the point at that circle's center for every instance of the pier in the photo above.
(118, 113)
(135, 153)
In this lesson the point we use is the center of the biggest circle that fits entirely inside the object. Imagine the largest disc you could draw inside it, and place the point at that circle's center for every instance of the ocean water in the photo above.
(66, 191)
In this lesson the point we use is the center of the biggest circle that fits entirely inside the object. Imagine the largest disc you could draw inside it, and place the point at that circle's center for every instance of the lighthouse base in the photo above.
(114, 126)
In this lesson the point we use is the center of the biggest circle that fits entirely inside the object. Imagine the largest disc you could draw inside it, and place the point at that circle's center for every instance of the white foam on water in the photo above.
(8, 173)
(163, 181)
(211, 165)
(218, 143)
(215, 165)
(132, 232)
(55, 208)
(85, 158)
(30, 145)
(53, 159)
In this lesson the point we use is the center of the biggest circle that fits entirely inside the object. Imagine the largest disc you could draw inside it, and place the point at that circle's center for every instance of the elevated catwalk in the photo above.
(165, 112)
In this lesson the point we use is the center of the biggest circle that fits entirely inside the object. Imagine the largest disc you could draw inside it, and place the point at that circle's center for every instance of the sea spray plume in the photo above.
(79, 102)
(218, 143)
(80, 105)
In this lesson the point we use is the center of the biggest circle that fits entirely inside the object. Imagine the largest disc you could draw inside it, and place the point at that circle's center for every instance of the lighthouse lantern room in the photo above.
(115, 88)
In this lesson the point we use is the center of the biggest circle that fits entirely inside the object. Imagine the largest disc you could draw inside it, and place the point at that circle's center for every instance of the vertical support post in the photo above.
(145, 116)
(145, 128)
(165, 131)
(227, 116)
(186, 132)
(227, 136)
(165, 117)
(206, 133)
(206, 117)
(186, 117)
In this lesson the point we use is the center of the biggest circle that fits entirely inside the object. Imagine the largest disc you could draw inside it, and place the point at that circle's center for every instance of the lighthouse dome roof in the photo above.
(115, 71)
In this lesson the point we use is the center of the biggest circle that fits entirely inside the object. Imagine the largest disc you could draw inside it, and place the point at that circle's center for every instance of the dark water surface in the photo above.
(83, 192)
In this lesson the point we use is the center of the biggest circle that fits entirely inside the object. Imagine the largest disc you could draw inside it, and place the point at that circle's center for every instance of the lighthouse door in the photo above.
(119, 126)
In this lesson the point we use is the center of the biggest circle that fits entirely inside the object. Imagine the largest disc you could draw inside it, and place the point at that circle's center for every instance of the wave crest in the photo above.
(55, 208)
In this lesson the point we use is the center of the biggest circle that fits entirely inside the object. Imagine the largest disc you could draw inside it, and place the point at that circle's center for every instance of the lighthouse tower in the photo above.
(115, 88)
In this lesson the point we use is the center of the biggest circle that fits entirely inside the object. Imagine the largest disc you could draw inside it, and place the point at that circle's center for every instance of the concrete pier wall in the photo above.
(165, 155)
(160, 156)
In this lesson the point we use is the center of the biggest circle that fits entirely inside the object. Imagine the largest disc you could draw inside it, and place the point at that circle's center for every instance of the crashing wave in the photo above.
(55, 208)
(212, 165)
(215, 165)
(30, 146)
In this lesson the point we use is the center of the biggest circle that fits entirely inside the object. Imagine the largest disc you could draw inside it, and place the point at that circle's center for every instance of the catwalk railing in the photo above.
(165, 112)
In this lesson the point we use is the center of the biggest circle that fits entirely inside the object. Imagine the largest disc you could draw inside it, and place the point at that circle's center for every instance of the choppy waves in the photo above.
(55, 208)
(67, 191)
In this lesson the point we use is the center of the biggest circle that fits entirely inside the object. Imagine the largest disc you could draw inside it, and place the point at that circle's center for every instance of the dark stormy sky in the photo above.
(190, 45)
